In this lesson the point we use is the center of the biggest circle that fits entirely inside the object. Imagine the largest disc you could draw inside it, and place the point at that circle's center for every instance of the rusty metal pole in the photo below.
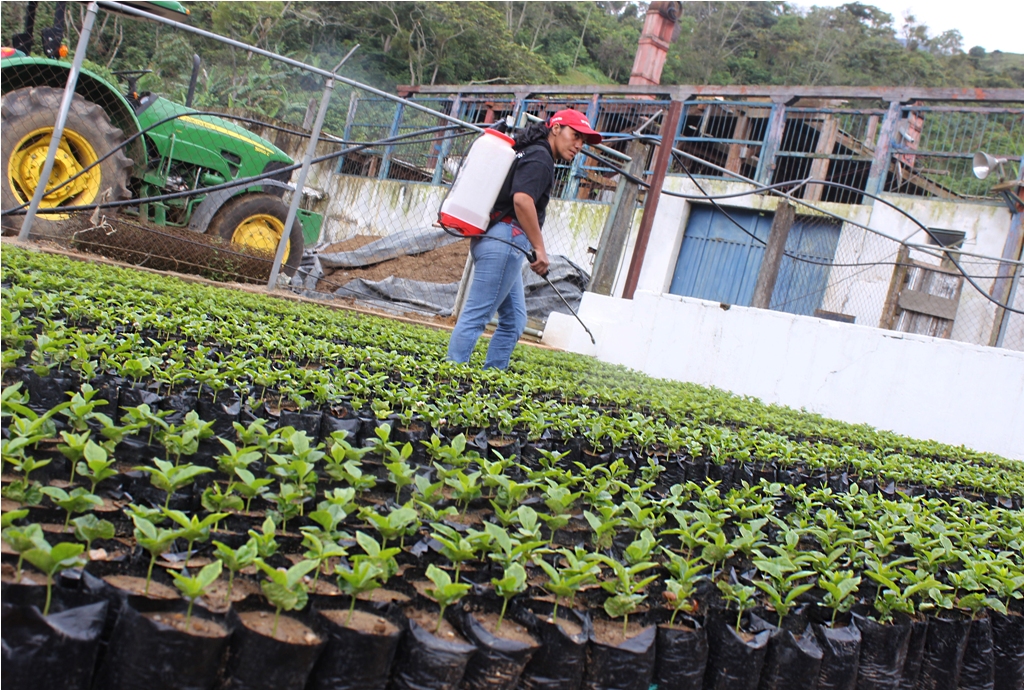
(668, 132)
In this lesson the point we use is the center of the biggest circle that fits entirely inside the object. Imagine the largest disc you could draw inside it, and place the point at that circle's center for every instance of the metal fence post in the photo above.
(572, 187)
(669, 127)
(446, 144)
(883, 151)
(300, 183)
(385, 164)
(620, 221)
(62, 119)
(1004, 321)
(353, 105)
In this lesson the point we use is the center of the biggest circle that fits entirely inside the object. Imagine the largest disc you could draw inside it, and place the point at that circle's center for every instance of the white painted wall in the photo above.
(927, 388)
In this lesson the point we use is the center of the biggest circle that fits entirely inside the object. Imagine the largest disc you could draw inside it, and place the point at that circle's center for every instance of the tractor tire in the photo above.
(28, 116)
(255, 221)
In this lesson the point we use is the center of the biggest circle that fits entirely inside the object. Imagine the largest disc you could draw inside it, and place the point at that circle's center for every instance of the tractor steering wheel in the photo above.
(132, 77)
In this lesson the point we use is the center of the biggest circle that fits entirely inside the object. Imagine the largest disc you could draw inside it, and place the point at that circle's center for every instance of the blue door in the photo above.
(718, 261)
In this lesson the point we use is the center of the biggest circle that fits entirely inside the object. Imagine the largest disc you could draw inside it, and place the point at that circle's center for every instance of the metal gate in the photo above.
(720, 262)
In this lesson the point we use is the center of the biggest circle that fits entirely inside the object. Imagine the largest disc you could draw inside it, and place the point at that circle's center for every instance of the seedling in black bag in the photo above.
(285, 589)
(266, 544)
(783, 589)
(579, 570)
(680, 589)
(194, 587)
(376, 554)
(626, 592)
(250, 486)
(78, 501)
(740, 595)
(840, 589)
(506, 549)
(95, 464)
(155, 540)
(362, 576)
(234, 560)
(89, 528)
(397, 524)
(319, 551)
(507, 587)
(52, 560)
(170, 478)
(445, 592)
(22, 539)
(236, 458)
(193, 529)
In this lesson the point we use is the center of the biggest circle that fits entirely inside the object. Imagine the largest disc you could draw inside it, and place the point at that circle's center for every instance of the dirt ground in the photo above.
(444, 265)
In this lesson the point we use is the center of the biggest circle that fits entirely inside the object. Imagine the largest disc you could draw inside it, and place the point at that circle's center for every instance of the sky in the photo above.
(993, 25)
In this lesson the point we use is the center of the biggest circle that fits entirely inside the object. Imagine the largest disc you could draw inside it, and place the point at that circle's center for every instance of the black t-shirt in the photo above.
(533, 173)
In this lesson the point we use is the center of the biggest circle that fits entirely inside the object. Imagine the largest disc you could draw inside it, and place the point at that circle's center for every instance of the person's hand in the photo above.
(540, 263)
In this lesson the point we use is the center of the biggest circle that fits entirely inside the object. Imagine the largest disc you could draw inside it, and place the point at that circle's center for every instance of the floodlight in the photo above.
(984, 163)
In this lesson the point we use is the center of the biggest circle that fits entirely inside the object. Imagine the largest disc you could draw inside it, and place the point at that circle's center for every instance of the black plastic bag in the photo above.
(943, 653)
(915, 653)
(354, 659)
(559, 662)
(329, 424)
(57, 651)
(258, 662)
(978, 671)
(146, 654)
(424, 661)
(180, 404)
(308, 421)
(840, 648)
(1008, 648)
(734, 659)
(223, 413)
(682, 656)
(498, 661)
(883, 650)
(792, 661)
(46, 391)
(628, 666)
(135, 395)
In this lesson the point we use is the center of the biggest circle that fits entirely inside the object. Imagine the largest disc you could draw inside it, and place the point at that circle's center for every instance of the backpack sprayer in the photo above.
(466, 208)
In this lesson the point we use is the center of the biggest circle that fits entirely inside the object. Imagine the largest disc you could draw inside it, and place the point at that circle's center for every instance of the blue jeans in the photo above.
(497, 287)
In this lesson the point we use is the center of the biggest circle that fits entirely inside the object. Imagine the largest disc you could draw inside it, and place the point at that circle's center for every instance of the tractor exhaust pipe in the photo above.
(192, 81)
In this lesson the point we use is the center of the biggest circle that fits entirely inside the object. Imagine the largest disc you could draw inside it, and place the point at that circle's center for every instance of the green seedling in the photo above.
(89, 528)
(217, 498)
(626, 591)
(784, 586)
(400, 472)
(742, 596)
(95, 465)
(236, 458)
(194, 587)
(154, 515)
(363, 576)
(685, 576)
(193, 529)
(507, 587)
(840, 589)
(528, 521)
(465, 487)
(234, 560)
(155, 540)
(73, 448)
(25, 492)
(265, 541)
(444, 592)
(397, 524)
(506, 549)
(456, 548)
(23, 539)
(350, 473)
(169, 478)
(285, 588)
(78, 501)
(52, 560)
(288, 499)
(341, 499)
(383, 558)
(250, 487)
(427, 492)
(603, 526)
(8, 518)
(320, 551)
(327, 520)
(640, 549)
(564, 583)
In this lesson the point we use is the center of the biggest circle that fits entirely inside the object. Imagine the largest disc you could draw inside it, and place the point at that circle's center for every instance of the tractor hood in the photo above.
(207, 140)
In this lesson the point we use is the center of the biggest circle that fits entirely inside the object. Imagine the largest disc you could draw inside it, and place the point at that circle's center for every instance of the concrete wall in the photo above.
(923, 387)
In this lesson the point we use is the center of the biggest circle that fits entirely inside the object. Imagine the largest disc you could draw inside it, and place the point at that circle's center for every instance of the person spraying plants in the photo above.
(516, 220)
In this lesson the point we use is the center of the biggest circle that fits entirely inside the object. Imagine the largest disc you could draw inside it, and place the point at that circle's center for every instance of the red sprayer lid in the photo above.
(504, 137)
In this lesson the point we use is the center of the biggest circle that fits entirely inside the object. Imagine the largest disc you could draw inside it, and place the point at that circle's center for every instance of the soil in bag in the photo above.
(735, 657)
(1008, 650)
(261, 658)
(501, 652)
(622, 662)
(425, 660)
(151, 648)
(56, 651)
(978, 671)
(840, 651)
(915, 653)
(559, 662)
(792, 662)
(943, 653)
(682, 655)
(359, 651)
(883, 650)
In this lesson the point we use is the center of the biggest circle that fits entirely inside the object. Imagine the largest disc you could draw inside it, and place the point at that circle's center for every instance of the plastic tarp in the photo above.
(394, 293)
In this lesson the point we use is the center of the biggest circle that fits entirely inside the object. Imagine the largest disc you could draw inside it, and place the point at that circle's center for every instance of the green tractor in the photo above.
(191, 151)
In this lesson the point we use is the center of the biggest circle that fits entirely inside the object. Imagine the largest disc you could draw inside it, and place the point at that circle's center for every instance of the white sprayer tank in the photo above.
(468, 205)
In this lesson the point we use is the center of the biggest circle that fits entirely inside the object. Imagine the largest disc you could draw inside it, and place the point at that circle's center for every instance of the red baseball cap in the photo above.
(578, 121)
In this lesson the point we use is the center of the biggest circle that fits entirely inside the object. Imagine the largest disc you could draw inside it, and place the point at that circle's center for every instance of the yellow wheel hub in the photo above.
(74, 155)
(261, 233)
